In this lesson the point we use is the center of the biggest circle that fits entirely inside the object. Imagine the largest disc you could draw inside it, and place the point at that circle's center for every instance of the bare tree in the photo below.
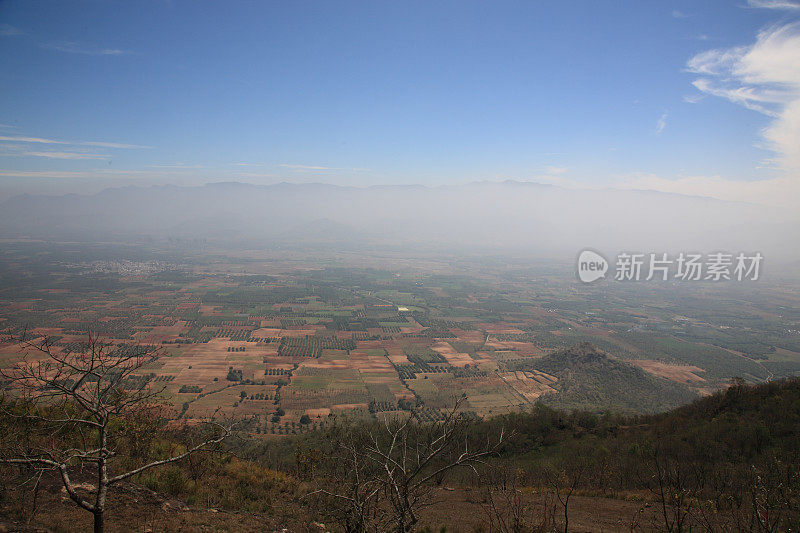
(354, 489)
(566, 477)
(387, 469)
(774, 494)
(507, 508)
(67, 411)
(671, 486)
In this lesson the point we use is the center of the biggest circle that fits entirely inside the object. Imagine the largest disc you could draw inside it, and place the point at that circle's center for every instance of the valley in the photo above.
(290, 340)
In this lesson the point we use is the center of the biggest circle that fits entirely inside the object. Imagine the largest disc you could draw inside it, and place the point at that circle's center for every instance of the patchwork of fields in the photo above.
(293, 348)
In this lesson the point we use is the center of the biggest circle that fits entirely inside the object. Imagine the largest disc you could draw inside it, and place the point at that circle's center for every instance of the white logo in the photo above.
(718, 266)
(591, 266)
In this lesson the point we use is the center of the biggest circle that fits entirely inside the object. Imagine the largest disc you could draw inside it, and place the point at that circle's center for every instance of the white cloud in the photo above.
(65, 174)
(773, 4)
(749, 97)
(75, 48)
(42, 140)
(661, 123)
(65, 155)
(715, 62)
(256, 175)
(96, 173)
(318, 167)
(679, 14)
(39, 140)
(20, 146)
(177, 166)
(306, 167)
(693, 98)
(7, 30)
(113, 145)
(764, 77)
(555, 170)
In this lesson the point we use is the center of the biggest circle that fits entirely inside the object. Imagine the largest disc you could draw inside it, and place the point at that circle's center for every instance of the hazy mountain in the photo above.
(519, 215)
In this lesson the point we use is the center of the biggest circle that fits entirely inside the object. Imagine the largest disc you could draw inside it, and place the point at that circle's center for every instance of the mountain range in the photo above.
(513, 215)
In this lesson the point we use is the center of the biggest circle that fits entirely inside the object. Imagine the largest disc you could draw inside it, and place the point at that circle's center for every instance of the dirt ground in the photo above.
(465, 510)
(133, 508)
(679, 373)
(461, 510)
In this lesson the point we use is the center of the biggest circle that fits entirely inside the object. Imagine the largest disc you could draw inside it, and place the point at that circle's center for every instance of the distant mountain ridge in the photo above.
(518, 215)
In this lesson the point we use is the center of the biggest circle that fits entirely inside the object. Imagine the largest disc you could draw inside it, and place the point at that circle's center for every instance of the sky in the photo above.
(699, 98)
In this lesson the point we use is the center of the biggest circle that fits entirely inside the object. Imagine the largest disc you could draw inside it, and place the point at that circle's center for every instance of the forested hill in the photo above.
(589, 379)
(739, 422)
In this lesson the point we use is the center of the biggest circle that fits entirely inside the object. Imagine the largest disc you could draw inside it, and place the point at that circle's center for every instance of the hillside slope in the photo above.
(734, 447)
(591, 380)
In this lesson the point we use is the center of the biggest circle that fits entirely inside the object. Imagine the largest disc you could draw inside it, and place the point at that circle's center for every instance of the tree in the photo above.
(670, 483)
(69, 410)
(507, 508)
(384, 471)
(566, 476)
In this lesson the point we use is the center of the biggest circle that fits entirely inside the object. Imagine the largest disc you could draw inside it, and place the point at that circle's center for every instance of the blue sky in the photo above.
(581, 94)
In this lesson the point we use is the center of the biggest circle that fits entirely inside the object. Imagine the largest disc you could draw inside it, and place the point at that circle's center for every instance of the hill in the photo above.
(591, 380)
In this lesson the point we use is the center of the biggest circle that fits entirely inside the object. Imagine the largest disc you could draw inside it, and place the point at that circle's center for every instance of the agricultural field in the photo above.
(289, 343)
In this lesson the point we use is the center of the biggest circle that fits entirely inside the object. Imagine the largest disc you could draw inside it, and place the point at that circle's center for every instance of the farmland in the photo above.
(290, 341)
